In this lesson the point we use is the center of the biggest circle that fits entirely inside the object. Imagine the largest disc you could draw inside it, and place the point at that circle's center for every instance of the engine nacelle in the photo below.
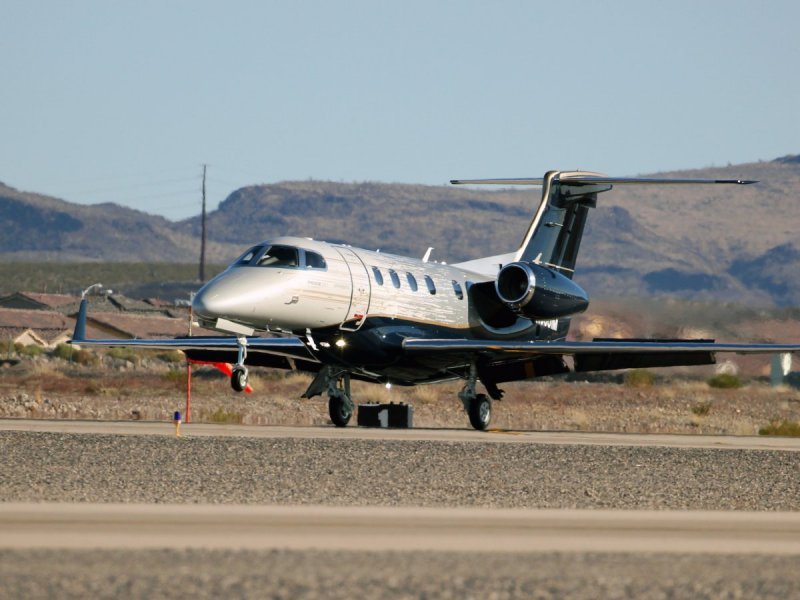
(536, 292)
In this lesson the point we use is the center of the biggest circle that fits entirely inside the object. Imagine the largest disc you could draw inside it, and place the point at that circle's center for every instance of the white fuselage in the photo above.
(353, 285)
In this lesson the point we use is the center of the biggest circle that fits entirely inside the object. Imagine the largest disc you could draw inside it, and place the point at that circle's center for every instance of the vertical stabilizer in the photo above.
(554, 236)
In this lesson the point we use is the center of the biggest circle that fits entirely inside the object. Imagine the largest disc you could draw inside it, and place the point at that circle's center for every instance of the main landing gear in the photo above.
(239, 373)
(478, 406)
(337, 385)
(340, 404)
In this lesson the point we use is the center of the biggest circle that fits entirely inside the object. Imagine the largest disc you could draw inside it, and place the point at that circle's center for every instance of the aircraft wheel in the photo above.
(340, 408)
(239, 379)
(480, 412)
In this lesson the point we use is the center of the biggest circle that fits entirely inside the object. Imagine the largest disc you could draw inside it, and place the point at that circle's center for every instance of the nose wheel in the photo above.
(239, 378)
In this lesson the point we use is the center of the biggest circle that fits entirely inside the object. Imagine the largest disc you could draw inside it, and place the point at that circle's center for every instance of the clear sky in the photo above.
(112, 101)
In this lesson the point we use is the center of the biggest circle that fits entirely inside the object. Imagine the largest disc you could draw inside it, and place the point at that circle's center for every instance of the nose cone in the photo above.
(206, 303)
(224, 296)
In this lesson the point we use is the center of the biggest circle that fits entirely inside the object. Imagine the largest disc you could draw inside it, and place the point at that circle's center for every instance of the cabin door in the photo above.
(360, 290)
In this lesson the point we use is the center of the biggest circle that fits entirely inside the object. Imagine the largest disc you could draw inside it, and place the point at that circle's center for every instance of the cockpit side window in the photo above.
(245, 258)
(315, 261)
(279, 256)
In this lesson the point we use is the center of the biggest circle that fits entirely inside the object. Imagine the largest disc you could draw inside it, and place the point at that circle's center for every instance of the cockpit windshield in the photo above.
(283, 257)
(248, 256)
(279, 256)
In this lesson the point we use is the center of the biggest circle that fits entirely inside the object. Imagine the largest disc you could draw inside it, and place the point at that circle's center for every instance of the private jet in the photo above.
(343, 313)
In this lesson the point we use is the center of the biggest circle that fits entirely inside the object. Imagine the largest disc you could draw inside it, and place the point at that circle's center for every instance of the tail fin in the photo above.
(554, 234)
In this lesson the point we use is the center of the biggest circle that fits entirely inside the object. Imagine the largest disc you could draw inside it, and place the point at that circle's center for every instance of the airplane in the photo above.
(340, 312)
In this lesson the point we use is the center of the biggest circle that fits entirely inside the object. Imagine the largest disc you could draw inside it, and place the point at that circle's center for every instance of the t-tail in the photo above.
(535, 281)
(554, 235)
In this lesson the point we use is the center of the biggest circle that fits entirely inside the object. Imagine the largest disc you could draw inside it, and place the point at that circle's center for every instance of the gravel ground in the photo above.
(44, 467)
(283, 574)
(49, 467)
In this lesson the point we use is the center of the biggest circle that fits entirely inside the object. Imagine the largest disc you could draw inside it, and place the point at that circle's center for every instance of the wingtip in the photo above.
(79, 334)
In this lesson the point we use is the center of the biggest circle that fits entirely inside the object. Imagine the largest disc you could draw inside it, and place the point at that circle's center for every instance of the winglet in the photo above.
(80, 324)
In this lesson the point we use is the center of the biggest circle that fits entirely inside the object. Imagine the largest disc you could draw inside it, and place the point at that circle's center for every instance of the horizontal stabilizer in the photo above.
(601, 180)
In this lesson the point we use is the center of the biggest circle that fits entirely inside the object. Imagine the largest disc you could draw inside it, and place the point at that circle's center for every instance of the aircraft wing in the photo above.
(598, 355)
(222, 348)
(604, 347)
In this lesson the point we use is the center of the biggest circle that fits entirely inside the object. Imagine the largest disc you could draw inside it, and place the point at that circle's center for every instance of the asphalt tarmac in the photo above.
(124, 509)
(439, 435)
(382, 529)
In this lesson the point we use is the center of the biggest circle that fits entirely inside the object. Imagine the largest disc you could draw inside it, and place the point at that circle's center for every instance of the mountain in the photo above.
(733, 243)
(41, 228)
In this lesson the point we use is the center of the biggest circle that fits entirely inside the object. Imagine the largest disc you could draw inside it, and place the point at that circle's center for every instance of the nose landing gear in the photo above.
(240, 373)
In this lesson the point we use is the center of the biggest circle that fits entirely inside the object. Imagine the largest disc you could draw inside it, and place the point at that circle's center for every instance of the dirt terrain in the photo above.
(151, 390)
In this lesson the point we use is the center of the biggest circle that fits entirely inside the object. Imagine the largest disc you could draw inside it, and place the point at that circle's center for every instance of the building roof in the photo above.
(142, 326)
(35, 300)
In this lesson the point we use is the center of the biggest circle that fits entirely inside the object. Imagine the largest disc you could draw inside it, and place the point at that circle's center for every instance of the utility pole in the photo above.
(202, 274)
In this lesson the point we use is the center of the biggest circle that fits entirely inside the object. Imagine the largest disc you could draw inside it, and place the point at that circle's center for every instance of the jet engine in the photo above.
(537, 292)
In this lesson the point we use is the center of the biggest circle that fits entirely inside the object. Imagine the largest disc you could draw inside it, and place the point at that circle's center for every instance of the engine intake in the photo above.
(537, 292)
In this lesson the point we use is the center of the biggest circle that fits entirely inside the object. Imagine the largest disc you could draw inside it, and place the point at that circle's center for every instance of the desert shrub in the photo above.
(783, 427)
(171, 356)
(175, 375)
(84, 357)
(127, 354)
(639, 378)
(701, 408)
(725, 381)
(31, 351)
(62, 351)
(223, 416)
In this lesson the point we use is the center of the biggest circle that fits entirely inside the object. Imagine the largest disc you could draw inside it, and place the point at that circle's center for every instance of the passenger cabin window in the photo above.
(245, 258)
(279, 256)
(429, 283)
(395, 278)
(315, 261)
(412, 283)
(378, 275)
(457, 289)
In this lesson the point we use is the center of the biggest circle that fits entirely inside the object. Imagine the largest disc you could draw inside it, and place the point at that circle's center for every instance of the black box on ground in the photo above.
(398, 416)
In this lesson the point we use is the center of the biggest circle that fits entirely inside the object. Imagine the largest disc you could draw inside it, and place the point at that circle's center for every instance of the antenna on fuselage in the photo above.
(427, 254)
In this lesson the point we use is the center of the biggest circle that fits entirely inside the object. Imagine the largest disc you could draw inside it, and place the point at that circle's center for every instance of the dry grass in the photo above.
(61, 390)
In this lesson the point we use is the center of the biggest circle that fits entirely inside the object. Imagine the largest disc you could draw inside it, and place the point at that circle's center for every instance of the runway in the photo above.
(440, 435)
(380, 529)
(127, 509)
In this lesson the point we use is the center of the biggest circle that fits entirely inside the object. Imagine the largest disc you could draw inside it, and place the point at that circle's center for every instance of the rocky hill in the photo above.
(41, 228)
(719, 242)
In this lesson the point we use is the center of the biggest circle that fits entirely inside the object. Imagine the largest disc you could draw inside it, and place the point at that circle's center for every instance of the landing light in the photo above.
(340, 343)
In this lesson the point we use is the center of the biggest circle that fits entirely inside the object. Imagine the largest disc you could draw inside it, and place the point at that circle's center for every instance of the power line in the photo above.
(203, 236)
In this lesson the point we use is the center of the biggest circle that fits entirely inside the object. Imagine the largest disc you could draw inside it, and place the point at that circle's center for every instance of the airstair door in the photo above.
(360, 290)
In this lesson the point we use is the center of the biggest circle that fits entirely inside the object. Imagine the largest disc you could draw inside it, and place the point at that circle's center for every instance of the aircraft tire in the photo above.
(340, 409)
(480, 412)
(239, 379)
